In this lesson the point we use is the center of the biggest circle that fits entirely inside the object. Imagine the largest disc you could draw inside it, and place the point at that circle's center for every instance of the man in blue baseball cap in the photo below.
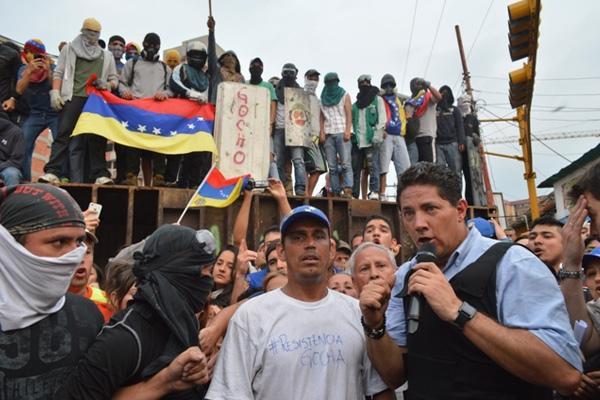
(305, 340)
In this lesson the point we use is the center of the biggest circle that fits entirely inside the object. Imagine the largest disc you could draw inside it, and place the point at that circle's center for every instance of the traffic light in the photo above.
(523, 28)
(520, 85)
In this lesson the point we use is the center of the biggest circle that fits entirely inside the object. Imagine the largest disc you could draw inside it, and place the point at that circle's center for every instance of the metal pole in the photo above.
(467, 79)
(463, 59)
(210, 8)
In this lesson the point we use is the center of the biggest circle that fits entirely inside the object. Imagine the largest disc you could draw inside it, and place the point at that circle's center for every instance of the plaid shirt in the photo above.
(335, 117)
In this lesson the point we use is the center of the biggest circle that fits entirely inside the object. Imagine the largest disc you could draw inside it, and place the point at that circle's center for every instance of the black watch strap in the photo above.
(466, 312)
(373, 333)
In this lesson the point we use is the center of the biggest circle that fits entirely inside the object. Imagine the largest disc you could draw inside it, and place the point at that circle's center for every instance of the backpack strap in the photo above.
(130, 80)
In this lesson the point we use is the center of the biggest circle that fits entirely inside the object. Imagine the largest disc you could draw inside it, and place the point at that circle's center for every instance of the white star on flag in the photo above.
(125, 124)
(200, 119)
(141, 128)
(191, 126)
(173, 133)
(156, 131)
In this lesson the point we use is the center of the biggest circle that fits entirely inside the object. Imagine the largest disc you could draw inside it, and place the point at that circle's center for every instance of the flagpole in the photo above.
(190, 201)
(210, 8)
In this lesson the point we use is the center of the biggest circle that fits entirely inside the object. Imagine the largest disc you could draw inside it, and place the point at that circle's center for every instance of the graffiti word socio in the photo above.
(239, 156)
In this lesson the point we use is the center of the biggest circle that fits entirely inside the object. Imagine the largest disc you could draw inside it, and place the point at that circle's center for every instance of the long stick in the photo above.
(210, 8)
(190, 201)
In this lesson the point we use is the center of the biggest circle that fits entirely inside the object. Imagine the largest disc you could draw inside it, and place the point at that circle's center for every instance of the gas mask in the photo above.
(150, 53)
(196, 59)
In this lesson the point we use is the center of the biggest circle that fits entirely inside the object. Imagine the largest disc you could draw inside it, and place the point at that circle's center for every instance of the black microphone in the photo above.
(425, 254)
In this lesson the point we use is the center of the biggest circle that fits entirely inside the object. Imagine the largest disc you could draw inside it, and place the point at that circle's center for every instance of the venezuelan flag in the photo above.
(218, 191)
(173, 126)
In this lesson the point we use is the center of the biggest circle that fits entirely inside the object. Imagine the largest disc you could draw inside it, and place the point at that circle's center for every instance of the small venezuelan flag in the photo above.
(218, 191)
(173, 126)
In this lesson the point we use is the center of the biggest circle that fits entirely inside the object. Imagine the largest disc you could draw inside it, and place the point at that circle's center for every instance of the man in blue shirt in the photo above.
(491, 330)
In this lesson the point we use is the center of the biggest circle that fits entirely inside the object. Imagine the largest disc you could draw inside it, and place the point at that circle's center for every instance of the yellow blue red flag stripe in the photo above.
(218, 191)
(173, 126)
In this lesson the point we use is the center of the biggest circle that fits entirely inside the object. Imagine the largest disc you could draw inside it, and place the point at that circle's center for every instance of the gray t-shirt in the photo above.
(278, 347)
(428, 121)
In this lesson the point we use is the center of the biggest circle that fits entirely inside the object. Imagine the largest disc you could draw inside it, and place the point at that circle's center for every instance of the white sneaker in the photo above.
(49, 178)
(104, 180)
(373, 196)
(382, 197)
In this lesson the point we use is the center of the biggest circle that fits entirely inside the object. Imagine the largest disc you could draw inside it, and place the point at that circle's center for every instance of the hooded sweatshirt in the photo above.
(450, 128)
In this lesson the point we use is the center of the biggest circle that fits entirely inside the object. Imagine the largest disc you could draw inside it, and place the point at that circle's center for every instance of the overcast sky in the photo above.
(353, 37)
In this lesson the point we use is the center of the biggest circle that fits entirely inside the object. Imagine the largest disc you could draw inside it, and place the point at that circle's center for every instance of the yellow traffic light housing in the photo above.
(523, 28)
(520, 85)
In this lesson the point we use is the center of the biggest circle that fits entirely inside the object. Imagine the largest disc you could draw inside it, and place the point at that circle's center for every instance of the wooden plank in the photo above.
(242, 130)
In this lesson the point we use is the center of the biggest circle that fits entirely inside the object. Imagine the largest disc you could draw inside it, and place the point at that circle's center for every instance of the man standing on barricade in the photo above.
(77, 61)
(146, 77)
(336, 130)
(469, 317)
(368, 121)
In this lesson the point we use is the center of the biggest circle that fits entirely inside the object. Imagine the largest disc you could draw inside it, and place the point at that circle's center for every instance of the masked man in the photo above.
(78, 60)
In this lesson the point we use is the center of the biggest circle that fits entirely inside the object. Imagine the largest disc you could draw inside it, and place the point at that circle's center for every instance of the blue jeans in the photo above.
(448, 154)
(32, 127)
(334, 147)
(413, 153)
(11, 176)
(371, 156)
(394, 149)
(297, 156)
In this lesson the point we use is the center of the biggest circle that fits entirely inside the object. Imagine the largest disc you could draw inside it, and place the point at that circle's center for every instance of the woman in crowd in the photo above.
(223, 274)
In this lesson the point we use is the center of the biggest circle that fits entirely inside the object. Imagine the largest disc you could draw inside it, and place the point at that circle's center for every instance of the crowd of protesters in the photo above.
(477, 313)
(305, 314)
(357, 140)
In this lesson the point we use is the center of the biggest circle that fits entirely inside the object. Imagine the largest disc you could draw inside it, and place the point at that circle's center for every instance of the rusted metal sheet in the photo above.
(242, 130)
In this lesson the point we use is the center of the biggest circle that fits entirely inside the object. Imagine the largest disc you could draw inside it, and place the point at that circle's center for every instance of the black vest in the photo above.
(441, 363)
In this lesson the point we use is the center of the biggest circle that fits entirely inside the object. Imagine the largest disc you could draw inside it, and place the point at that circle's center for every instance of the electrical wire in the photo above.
(581, 78)
(437, 30)
(410, 38)
(550, 148)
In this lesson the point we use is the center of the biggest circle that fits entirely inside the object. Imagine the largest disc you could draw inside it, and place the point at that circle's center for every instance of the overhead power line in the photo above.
(546, 136)
(410, 38)
(437, 30)
(504, 78)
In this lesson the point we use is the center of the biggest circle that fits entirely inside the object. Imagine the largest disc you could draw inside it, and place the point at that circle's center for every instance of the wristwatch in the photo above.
(466, 312)
(373, 333)
(562, 274)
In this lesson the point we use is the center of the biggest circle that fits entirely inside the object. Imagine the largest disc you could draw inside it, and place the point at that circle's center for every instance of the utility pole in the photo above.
(467, 78)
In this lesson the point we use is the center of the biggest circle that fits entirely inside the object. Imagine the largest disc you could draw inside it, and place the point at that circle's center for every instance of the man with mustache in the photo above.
(309, 345)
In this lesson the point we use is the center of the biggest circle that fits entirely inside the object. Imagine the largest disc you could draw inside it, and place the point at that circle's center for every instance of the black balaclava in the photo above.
(151, 46)
(447, 98)
(256, 70)
(170, 281)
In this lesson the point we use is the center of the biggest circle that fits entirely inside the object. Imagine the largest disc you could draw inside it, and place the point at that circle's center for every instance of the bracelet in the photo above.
(374, 334)
(563, 274)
